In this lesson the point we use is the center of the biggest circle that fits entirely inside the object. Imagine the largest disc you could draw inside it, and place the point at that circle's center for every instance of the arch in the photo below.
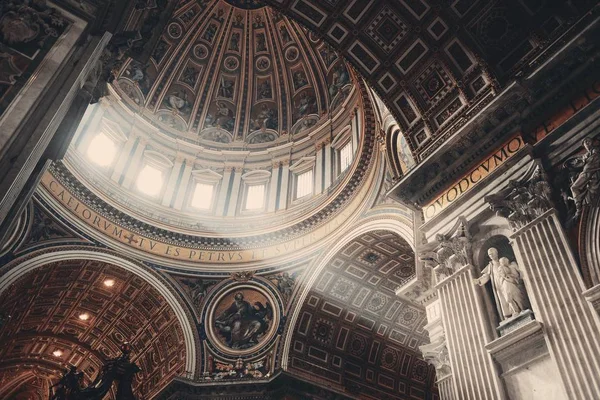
(385, 222)
(21, 266)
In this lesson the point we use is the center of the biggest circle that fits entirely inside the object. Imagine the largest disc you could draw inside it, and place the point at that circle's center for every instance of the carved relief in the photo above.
(436, 354)
(524, 200)
(450, 252)
(585, 187)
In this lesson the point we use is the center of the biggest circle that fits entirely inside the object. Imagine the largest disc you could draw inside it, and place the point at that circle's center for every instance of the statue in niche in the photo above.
(507, 286)
(586, 187)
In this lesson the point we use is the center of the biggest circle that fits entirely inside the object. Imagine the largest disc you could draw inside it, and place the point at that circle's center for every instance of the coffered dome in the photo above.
(235, 74)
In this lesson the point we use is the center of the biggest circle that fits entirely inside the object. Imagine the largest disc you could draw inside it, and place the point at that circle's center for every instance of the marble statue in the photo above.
(508, 289)
(586, 187)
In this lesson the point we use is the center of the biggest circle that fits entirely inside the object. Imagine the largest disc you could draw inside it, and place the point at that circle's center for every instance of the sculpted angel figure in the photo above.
(508, 289)
(587, 185)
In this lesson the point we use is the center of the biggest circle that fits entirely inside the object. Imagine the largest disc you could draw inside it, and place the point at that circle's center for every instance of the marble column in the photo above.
(467, 332)
(572, 327)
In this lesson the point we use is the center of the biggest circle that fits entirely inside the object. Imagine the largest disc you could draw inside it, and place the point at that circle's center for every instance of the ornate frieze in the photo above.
(523, 200)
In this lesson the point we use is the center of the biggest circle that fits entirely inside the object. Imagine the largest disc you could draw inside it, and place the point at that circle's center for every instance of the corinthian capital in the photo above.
(523, 200)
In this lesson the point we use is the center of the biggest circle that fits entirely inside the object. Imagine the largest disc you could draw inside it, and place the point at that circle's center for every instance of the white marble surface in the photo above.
(538, 380)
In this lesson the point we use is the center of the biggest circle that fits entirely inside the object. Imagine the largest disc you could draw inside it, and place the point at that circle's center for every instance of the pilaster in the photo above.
(285, 179)
(130, 171)
(235, 192)
(554, 283)
(222, 197)
(328, 165)
(572, 327)
(272, 199)
(320, 165)
(183, 184)
(172, 181)
(473, 369)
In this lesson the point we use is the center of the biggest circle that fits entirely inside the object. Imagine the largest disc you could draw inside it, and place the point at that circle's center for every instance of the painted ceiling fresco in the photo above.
(234, 72)
(64, 313)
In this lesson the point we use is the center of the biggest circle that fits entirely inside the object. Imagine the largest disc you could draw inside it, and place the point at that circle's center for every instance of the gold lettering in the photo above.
(473, 177)
(117, 232)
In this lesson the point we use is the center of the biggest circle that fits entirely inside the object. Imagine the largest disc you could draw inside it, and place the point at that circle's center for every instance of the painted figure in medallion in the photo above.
(242, 324)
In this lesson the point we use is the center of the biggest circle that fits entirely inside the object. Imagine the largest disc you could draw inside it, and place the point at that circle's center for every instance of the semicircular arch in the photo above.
(30, 262)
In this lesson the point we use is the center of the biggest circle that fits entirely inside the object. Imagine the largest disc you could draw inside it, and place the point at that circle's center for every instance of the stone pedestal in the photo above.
(555, 288)
(513, 323)
(524, 362)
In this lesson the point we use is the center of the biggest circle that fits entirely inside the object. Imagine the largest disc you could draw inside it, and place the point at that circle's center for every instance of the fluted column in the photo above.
(571, 326)
(467, 333)
(436, 352)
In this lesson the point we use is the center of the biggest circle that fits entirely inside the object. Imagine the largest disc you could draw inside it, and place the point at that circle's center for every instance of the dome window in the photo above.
(203, 196)
(345, 156)
(102, 150)
(150, 180)
(304, 184)
(255, 197)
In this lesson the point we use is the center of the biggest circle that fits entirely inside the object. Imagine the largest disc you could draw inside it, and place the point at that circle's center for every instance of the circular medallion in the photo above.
(263, 63)
(175, 30)
(291, 54)
(200, 51)
(231, 63)
(243, 318)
